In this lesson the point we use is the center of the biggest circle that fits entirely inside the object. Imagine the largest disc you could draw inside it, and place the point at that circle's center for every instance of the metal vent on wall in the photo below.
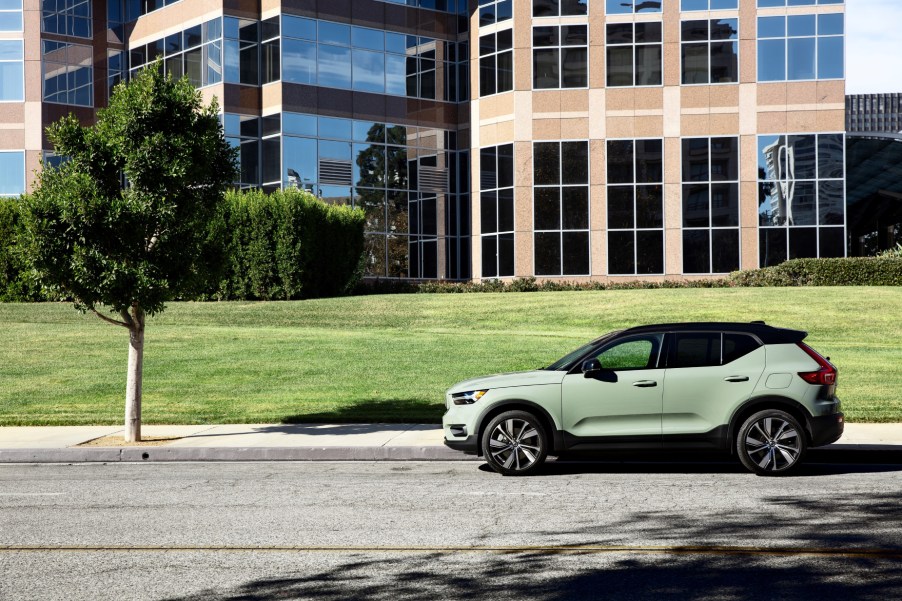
(333, 172)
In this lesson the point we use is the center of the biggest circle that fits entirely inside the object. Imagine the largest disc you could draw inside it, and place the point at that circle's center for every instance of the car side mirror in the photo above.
(591, 367)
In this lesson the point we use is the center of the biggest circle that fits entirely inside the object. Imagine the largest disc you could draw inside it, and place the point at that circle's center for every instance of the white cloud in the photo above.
(873, 46)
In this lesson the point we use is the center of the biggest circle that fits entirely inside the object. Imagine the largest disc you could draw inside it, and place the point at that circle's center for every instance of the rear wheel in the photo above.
(515, 443)
(771, 443)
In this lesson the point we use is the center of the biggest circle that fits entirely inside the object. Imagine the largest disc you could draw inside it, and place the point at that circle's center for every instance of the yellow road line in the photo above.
(543, 549)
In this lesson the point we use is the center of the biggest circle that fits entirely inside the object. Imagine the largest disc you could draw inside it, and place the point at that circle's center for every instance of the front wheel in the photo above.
(771, 443)
(514, 443)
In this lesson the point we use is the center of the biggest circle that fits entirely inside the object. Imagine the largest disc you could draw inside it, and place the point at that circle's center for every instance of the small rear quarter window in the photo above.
(736, 346)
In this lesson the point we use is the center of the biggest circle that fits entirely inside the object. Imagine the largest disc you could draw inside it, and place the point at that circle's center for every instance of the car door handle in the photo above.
(645, 383)
(736, 379)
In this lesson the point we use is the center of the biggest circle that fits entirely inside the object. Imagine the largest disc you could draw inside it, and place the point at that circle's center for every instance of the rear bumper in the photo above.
(826, 429)
(467, 445)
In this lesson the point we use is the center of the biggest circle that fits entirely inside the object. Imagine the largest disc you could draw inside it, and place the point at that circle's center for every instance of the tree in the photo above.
(122, 227)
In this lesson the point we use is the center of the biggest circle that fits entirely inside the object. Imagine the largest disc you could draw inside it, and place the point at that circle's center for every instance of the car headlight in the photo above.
(467, 398)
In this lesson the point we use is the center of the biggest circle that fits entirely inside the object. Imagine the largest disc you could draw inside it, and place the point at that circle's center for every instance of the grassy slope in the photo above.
(391, 357)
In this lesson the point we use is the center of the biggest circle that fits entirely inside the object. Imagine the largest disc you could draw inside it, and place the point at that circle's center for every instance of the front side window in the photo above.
(709, 51)
(639, 352)
(634, 54)
(12, 71)
(710, 194)
(10, 15)
(561, 208)
(560, 57)
(494, 11)
(559, 8)
(801, 47)
(801, 197)
(68, 73)
(496, 63)
(635, 193)
(619, 7)
(12, 173)
(496, 199)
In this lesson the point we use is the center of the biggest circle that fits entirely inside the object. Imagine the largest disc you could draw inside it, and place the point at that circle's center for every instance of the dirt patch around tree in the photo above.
(117, 440)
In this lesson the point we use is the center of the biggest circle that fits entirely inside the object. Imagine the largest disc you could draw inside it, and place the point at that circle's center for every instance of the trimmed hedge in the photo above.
(15, 283)
(287, 245)
(852, 271)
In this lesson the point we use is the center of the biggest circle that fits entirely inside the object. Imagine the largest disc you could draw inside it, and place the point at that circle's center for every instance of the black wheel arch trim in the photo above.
(555, 436)
(768, 402)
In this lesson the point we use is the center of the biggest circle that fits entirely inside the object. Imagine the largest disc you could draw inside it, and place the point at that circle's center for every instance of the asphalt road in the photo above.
(248, 531)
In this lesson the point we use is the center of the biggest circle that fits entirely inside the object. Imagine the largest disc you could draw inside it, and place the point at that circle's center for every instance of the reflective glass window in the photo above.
(709, 51)
(12, 173)
(634, 54)
(801, 47)
(12, 71)
(561, 208)
(10, 15)
(617, 7)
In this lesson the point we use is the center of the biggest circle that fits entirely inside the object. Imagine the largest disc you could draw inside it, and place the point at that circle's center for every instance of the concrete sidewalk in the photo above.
(301, 442)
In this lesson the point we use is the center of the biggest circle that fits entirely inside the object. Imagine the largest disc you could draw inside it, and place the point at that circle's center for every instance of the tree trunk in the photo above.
(133, 383)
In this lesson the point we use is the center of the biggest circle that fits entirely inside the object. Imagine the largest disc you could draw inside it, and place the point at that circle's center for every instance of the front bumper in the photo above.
(826, 429)
(467, 445)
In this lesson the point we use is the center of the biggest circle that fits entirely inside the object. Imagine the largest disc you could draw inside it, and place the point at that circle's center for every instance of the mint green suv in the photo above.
(749, 388)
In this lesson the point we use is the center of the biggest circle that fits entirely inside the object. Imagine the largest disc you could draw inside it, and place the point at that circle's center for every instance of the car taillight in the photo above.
(824, 376)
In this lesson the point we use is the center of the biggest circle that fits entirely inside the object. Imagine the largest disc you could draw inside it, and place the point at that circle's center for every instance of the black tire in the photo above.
(515, 443)
(771, 443)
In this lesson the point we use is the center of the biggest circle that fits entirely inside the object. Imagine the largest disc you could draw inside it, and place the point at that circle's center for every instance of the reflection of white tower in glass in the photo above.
(776, 156)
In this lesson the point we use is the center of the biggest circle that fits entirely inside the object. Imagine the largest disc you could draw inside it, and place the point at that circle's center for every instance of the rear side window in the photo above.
(737, 345)
(695, 350)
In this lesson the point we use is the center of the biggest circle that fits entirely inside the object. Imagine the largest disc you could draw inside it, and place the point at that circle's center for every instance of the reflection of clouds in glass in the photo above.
(369, 71)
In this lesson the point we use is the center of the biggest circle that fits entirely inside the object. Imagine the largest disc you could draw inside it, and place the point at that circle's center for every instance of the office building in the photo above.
(575, 139)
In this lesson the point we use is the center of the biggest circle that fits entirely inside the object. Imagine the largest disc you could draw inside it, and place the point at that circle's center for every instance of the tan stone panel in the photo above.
(34, 138)
(599, 253)
(12, 139)
(673, 150)
(671, 64)
(695, 125)
(748, 152)
(749, 243)
(770, 94)
(649, 126)
(34, 80)
(546, 129)
(671, 20)
(522, 27)
(575, 129)
(598, 208)
(801, 121)
(597, 104)
(597, 66)
(748, 108)
(597, 31)
(673, 205)
(748, 22)
(12, 112)
(621, 127)
(475, 228)
(748, 206)
(523, 115)
(620, 99)
(723, 124)
(748, 61)
(801, 92)
(573, 101)
(672, 111)
(523, 209)
(597, 162)
(724, 96)
(772, 122)
(546, 101)
(32, 165)
(649, 99)
(488, 135)
(831, 92)
(505, 131)
(497, 105)
(695, 97)
(523, 260)
(474, 170)
(831, 120)
(522, 69)
(673, 252)
(522, 164)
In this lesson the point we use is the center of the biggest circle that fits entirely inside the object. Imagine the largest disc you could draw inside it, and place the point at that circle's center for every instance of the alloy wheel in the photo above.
(774, 444)
(515, 444)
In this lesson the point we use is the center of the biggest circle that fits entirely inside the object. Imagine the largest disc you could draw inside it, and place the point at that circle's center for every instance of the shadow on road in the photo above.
(825, 531)
(397, 411)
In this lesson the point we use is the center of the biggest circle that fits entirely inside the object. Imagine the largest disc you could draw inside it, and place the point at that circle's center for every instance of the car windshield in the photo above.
(566, 362)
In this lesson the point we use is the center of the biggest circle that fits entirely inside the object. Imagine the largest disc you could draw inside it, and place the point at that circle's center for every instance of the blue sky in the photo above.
(874, 46)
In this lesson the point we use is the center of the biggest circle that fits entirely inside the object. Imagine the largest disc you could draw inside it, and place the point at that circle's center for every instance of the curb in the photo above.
(152, 454)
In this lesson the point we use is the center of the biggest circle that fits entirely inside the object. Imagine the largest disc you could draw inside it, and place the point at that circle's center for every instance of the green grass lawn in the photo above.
(389, 358)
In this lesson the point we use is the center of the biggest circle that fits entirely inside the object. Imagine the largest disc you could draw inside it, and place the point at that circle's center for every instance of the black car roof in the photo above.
(767, 334)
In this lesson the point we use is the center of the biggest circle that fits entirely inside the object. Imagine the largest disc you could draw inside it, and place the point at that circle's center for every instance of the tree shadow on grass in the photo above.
(396, 411)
